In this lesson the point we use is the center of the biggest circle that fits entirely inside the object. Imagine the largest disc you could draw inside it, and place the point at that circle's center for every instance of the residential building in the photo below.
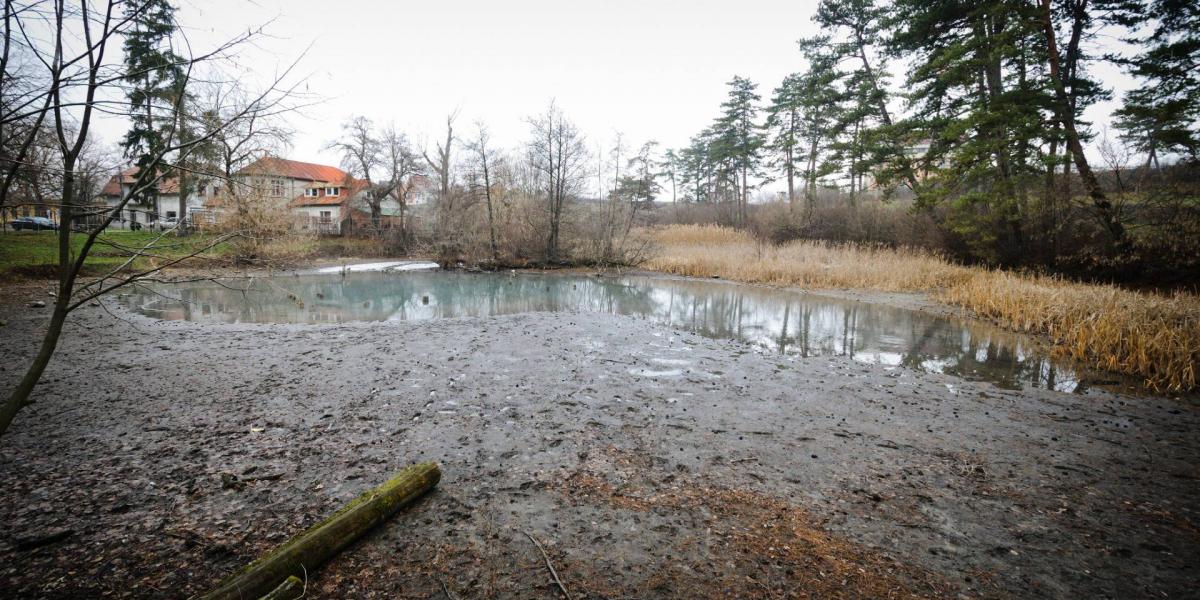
(321, 198)
(149, 209)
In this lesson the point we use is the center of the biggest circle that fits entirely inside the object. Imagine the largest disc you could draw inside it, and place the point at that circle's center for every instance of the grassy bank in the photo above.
(1155, 337)
(35, 254)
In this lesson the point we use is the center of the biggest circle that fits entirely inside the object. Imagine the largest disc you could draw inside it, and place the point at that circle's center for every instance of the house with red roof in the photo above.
(322, 198)
(148, 209)
(318, 195)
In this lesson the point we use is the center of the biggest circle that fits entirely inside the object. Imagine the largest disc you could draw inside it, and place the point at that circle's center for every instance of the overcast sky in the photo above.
(652, 69)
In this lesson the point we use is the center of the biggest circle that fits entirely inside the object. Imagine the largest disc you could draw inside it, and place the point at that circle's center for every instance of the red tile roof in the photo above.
(294, 169)
(166, 185)
(348, 191)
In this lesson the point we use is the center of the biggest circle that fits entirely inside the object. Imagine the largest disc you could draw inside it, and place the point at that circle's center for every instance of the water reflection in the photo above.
(779, 321)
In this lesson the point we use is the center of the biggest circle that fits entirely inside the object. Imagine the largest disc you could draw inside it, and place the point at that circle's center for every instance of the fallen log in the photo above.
(304, 553)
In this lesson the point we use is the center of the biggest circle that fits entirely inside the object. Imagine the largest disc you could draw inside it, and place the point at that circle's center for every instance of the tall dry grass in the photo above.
(1145, 335)
(708, 250)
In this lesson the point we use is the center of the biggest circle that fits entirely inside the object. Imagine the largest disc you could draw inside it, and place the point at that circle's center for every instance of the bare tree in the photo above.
(25, 100)
(241, 136)
(559, 155)
(403, 166)
(80, 71)
(441, 165)
(485, 158)
(362, 156)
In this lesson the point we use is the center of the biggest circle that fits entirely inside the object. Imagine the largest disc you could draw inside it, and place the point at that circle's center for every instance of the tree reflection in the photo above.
(784, 322)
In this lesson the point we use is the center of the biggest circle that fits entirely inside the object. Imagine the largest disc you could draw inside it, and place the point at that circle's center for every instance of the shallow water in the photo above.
(787, 323)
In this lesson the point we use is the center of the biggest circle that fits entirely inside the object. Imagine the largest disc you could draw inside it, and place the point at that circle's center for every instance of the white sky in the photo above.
(653, 69)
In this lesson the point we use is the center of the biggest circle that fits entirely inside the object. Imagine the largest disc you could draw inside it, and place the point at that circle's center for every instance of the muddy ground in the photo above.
(159, 456)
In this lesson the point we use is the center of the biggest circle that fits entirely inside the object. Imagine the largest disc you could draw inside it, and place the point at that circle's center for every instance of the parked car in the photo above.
(167, 223)
(33, 224)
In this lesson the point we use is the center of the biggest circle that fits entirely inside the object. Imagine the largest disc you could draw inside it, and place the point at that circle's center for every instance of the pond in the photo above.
(785, 322)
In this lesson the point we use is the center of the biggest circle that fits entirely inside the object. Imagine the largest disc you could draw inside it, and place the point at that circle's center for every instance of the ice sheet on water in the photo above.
(396, 265)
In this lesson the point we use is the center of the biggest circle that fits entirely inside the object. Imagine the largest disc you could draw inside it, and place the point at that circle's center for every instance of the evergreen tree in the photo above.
(696, 169)
(738, 141)
(155, 76)
(785, 125)
(1163, 114)
(820, 109)
(974, 95)
(868, 140)
(670, 166)
(639, 185)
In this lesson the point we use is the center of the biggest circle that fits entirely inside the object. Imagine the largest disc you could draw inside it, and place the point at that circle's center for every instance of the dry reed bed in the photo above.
(1144, 335)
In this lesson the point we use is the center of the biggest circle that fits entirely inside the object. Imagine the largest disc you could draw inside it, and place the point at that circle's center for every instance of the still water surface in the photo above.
(777, 321)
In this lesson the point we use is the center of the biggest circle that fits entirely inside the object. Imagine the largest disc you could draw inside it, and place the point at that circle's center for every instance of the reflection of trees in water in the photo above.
(809, 326)
(784, 322)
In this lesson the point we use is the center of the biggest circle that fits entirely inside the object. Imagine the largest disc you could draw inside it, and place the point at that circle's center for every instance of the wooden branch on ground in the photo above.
(307, 551)
(549, 565)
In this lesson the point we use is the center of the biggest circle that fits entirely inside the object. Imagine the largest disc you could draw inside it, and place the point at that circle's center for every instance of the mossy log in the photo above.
(302, 554)
(291, 589)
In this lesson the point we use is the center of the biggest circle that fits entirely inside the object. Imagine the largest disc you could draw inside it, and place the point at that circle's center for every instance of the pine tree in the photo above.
(671, 167)
(738, 141)
(156, 78)
(976, 95)
(696, 169)
(1163, 114)
(785, 124)
(820, 108)
(853, 42)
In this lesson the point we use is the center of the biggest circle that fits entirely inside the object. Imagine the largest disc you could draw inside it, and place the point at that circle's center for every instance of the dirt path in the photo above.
(649, 462)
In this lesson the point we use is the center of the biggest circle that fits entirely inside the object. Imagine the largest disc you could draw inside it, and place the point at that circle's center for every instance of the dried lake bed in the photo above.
(663, 438)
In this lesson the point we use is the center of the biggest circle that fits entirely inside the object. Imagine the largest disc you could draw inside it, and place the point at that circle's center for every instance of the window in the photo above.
(277, 187)
(332, 191)
(311, 192)
(326, 216)
(170, 214)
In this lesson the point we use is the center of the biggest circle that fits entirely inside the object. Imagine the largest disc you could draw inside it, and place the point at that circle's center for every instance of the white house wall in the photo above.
(315, 212)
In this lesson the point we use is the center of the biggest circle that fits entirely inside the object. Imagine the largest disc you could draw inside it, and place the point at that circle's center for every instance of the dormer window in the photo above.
(311, 192)
(332, 191)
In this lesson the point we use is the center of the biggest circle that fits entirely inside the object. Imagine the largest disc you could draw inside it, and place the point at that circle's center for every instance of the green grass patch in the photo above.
(35, 253)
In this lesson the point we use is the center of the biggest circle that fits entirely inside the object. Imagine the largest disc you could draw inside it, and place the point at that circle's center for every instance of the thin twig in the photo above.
(549, 565)
(445, 589)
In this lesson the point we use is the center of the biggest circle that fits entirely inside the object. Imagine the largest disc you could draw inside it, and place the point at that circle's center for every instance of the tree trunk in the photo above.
(791, 180)
(403, 222)
(1100, 202)
(881, 102)
(745, 195)
(487, 192)
(810, 181)
(19, 397)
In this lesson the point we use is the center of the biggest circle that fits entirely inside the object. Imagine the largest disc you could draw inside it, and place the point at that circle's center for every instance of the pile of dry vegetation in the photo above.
(1152, 336)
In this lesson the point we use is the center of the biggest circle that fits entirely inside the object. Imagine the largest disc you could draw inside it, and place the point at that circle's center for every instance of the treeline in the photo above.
(552, 199)
(983, 142)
